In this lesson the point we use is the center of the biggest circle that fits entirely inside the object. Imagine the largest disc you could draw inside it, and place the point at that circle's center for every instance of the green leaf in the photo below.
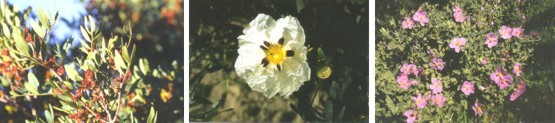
(6, 30)
(300, 5)
(72, 73)
(85, 34)
(67, 107)
(5, 82)
(152, 116)
(92, 24)
(33, 80)
(125, 55)
(111, 42)
(144, 66)
(38, 29)
(389, 103)
(43, 17)
(20, 43)
(119, 63)
(68, 85)
(64, 98)
(49, 114)
(30, 88)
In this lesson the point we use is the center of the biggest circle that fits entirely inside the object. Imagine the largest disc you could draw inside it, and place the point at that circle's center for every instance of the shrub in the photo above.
(454, 43)
(102, 81)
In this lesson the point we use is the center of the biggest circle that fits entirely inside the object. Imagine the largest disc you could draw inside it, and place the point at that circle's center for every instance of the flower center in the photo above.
(438, 100)
(499, 74)
(517, 68)
(275, 53)
(467, 88)
(458, 43)
(437, 64)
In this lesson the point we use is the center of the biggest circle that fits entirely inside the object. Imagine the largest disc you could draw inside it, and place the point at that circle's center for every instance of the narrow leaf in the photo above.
(33, 80)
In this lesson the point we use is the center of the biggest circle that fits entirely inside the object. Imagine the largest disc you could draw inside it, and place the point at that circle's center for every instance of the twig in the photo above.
(43, 94)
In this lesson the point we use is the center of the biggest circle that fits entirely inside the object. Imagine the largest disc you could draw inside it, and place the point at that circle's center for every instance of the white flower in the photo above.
(272, 56)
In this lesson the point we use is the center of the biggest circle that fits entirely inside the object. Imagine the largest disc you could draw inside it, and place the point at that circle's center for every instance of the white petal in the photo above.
(292, 29)
(269, 80)
(257, 32)
(248, 63)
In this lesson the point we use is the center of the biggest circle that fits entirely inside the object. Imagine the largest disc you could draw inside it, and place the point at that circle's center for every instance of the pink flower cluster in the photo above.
(411, 116)
(467, 88)
(520, 89)
(404, 82)
(501, 78)
(491, 39)
(403, 78)
(408, 23)
(435, 99)
(457, 44)
(517, 69)
(436, 86)
(420, 101)
(458, 14)
(507, 32)
(437, 64)
(478, 108)
(420, 16)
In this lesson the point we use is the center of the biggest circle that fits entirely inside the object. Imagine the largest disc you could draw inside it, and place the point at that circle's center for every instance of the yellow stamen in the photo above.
(275, 54)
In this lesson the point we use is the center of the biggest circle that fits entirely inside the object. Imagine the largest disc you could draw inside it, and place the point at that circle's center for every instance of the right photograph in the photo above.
(465, 61)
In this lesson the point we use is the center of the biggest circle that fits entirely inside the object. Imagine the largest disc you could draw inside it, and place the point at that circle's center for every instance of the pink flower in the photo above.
(457, 9)
(408, 23)
(437, 64)
(458, 14)
(506, 32)
(521, 88)
(484, 61)
(517, 32)
(505, 81)
(403, 81)
(436, 86)
(467, 88)
(414, 69)
(421, 17)
(497, 75)
(411, 116)
(419, 101)
(457, 44)
(478, 108)
(517, 69)
(438, 99)
(406, 69)
(491, 39)
(500, 78)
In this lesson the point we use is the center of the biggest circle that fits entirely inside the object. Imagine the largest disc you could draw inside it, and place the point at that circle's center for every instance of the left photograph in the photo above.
(91, 61)
(278, 61)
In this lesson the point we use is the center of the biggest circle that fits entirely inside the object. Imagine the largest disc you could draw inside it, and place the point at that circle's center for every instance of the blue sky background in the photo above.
(71, 13)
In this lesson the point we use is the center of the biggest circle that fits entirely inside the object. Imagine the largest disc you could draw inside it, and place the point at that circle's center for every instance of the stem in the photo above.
(92, 112)
(43, 94)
